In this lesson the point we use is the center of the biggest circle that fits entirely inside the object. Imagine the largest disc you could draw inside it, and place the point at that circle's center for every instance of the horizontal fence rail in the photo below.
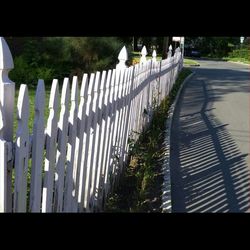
(71, 162)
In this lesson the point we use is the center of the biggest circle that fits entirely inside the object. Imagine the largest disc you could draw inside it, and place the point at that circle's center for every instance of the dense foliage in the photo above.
(58, 57)
(243, 52)
(213, 46)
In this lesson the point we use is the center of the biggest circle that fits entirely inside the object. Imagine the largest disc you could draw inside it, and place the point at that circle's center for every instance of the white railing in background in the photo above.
(78, 155)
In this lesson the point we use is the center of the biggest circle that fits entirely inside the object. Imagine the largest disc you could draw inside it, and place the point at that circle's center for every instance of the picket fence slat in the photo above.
(114, 125)
(21, 150)
(72, 133)
(109, 135)
(98, 141)
(37, 149)
(51, 147)
(62, 146)
(77, 167)
(93, 145)
(87, 143)
(124, 141)
(104, 138)
(118, 136)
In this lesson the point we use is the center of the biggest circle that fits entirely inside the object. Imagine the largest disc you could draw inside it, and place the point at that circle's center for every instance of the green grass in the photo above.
(32, 94)
(137, 55)
(139, 189)
(237, 59)
(189, 62)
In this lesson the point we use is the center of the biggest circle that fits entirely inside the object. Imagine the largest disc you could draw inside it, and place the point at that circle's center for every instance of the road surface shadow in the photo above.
(208, 172)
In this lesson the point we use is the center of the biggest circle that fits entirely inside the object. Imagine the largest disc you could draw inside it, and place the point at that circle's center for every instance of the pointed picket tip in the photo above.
(65, 92)
(54, 94)
(103, 79)
(74, 89)
(84, 85)
(97, 81)
(6, 60)
(170, 47)
(154, 53)
(91, 83)
(123, 55)
(23, 103)
(144, 51)
(108, 82)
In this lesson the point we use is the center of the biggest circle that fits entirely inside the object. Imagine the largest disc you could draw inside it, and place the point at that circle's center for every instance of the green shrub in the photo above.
(240, 53)
(59, 57)
(24, 72)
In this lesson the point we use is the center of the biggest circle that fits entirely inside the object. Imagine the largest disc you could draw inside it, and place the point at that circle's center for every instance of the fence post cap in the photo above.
(154, 55)
(123, 55)
(144, 51)
(6, 60)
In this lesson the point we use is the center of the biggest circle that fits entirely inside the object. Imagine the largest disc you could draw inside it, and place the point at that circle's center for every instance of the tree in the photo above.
(212, 46)
(165, 47)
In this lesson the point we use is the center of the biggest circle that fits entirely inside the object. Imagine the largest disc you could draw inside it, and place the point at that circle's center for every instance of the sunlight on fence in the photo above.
(78, 155)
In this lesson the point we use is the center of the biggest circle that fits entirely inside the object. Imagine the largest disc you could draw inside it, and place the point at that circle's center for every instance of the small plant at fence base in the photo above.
(139, 188)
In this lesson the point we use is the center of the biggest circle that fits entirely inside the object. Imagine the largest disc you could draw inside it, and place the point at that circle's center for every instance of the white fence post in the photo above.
(3, 165)
(170, 51)
(144, 52)
(154, 56)
(122, 57)
(7, 95)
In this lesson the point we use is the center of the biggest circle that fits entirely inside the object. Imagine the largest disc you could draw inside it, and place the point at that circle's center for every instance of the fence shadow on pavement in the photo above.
(208, 172)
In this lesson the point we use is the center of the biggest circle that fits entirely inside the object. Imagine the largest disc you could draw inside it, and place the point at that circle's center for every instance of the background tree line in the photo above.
(58, 57)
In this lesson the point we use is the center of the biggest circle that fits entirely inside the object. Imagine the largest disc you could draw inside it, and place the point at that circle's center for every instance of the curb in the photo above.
(166, 186)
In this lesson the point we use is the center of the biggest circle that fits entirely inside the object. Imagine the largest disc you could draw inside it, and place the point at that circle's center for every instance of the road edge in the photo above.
(246, 64)
(166, 186)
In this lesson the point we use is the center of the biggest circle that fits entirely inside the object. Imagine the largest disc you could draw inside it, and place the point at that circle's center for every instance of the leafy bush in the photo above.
(28, 74)
(58, 57)
(240, 53)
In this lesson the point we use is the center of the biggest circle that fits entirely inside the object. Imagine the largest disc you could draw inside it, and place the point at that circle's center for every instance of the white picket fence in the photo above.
(77, 156)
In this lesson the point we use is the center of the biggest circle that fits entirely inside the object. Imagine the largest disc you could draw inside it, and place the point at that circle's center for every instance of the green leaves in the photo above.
(59, 57)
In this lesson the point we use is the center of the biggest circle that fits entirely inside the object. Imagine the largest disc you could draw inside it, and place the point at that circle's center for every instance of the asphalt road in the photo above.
(210, 168)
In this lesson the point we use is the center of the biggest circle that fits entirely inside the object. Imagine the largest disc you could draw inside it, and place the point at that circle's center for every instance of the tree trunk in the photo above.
(165, 47)
(135, 40)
